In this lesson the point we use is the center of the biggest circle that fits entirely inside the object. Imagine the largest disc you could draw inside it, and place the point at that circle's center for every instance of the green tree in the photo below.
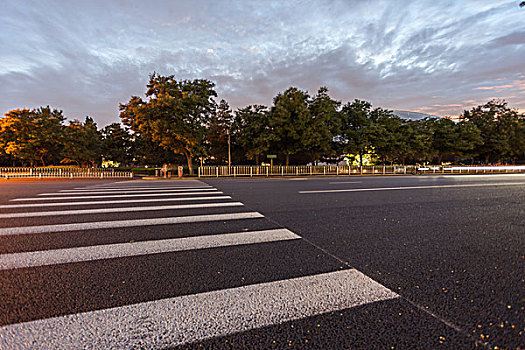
(32, 135)
(446, 137)
(175, 114)
(385, 135)
(289, 121)
(323, 126)
(219, 132)
(83, 143)
(419, 139)
(500, 130)
(356, 128)
(252, 130)
(116, 143)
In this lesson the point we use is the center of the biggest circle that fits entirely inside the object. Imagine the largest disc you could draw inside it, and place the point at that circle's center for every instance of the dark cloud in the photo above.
(431, 56)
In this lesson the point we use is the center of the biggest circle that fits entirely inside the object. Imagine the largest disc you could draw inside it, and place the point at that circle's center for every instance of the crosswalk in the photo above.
(140, 264)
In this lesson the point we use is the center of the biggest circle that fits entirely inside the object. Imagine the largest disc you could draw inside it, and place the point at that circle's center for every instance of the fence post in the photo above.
(404, 169)
(251, 171)
(266, 171)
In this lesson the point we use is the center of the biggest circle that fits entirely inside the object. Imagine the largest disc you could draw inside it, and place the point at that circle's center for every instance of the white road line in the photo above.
(191, 318)
(412, 187)
(148, 184)
(78, 254)
(114, 196)
(345, 182)
(155, 190)
(23, 230)
(132, 188)
(118, 210)
(128, 201)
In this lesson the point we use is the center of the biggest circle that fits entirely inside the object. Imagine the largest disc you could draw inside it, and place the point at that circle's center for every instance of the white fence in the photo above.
(71, 173)
(248, 170)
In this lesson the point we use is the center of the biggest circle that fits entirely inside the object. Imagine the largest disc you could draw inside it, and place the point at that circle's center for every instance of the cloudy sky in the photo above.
(437, 57)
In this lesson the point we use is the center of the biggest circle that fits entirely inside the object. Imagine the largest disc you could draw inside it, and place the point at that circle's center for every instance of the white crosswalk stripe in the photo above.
(61, 256)
(126, 201)
(109, 189)
(174, 320)
(119, 210)
(186, 319)
(24, 230)
(126, 191)
(117, 196)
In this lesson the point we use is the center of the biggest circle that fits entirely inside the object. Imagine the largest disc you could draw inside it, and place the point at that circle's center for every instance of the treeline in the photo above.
(181, 121)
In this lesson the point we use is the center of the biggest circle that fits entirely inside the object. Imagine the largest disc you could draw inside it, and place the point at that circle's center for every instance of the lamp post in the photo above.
(229, 151)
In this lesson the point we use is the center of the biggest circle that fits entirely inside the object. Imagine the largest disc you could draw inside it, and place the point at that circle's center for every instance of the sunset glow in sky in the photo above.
(436, 57)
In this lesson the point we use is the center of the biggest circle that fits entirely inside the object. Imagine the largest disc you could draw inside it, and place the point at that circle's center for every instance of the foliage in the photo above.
(116, 144)
(219, 132)
(252, 130)
(180, 119)
(323, 125)
(175, 114)
(501, 131)
(32, 135)
(83, 143)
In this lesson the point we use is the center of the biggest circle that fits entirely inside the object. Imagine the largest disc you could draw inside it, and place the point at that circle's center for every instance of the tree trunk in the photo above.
(42, 160)
(257, 159)
(190, 164)
(487, 160)
(287, 159)
(361, 159)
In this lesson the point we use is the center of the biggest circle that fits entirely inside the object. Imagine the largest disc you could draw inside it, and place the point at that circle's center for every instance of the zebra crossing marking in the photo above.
(191, 318)
(124, 191)
(109, 189)
(128, 201)
(118, 210)
(119, 250)
(22, 230)
(116, 196)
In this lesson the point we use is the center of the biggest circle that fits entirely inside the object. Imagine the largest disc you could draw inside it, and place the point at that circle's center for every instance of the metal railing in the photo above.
(71, 173)
(248, 170)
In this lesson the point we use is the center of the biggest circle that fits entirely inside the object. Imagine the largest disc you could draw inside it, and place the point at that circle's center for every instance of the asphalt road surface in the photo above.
(419, 262)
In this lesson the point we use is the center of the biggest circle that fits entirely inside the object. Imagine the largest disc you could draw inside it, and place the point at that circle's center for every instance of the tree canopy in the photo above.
(179, 120)
(175, 114)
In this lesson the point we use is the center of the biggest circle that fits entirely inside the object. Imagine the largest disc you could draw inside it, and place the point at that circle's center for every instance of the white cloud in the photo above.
(86, 57)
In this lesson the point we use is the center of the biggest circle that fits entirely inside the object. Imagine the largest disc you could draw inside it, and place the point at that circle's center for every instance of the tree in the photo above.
(385, 135)
(419, 140)
(468, 138)
(116, 143)
(219, 132)
(323, 124)
(83, 143)
(252, 131)
(500, 130)
(175, 114)
(446, 137)
(356, 128)
(32, 135)
(289, 121)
